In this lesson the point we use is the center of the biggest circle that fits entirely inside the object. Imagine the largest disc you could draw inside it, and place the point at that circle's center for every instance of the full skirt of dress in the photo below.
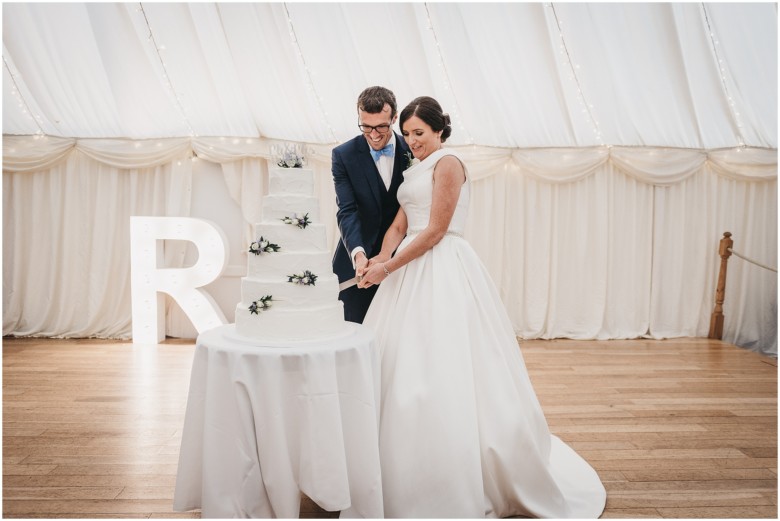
(462, 434)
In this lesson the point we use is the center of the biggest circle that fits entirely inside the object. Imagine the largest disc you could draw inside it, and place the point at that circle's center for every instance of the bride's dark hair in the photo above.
(428, 110)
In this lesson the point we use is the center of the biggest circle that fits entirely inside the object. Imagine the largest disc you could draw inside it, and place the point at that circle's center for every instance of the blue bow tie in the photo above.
(386, 151)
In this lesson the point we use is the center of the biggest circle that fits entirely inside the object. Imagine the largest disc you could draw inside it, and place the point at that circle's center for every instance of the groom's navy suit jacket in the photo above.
(365, 211)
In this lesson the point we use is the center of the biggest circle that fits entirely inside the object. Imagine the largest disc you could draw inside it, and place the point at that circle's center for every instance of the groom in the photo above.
(367, 171)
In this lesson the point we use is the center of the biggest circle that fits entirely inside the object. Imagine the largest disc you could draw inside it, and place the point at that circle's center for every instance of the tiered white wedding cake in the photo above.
(290, 292)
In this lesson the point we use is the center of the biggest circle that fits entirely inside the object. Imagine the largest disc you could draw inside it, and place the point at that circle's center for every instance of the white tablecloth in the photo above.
(266, 423)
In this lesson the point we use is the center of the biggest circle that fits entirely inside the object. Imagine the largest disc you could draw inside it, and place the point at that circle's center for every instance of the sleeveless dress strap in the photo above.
(443, 152)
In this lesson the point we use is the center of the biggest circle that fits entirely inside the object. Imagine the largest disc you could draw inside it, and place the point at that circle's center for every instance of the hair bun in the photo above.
(447, 130)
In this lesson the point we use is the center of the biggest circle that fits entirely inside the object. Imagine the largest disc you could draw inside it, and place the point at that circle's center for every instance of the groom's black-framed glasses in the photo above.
(382, 129)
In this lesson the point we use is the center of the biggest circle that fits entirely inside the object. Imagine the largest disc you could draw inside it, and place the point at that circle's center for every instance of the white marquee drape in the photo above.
(583, 243)
(610, 145)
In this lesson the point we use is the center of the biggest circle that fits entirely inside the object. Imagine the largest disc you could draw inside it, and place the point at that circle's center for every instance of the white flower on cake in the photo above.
(300, 222)
(307, 278)
(289, 155)
(262, 304)
(262, 245)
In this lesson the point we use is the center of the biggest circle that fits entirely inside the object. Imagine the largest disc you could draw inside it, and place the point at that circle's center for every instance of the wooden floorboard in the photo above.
(681, 428)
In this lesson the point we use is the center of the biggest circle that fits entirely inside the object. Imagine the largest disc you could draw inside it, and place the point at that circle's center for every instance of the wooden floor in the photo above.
(682, 428)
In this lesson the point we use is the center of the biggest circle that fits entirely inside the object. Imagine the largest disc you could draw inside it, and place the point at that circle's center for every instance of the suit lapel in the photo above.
(401, 160)
(366, 165)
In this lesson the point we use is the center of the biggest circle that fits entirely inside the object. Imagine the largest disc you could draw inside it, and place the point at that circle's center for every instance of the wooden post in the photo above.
(716, 321)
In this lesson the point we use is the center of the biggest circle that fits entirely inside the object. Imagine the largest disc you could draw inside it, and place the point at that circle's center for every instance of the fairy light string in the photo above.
(166, 76)
(723, 80)
(308, 76)
(587, 108)
(447, 82)
(21, 102)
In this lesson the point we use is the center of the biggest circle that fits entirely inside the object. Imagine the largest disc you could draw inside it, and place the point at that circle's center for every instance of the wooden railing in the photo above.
(725, 250)
(716, 320)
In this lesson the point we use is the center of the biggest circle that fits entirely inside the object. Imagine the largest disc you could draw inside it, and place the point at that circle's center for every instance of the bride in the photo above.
(462, 433)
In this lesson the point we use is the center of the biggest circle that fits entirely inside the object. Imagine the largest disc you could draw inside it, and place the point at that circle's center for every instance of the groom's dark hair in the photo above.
(373, 99)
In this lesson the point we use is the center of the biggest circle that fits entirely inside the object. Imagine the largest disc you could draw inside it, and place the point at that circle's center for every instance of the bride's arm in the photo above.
(448, 178)
(393, 237)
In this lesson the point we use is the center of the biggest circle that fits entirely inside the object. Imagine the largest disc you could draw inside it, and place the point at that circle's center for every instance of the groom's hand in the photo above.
(361, 264)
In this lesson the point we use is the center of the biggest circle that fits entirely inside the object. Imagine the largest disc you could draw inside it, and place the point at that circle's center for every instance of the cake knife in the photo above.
(349, 283)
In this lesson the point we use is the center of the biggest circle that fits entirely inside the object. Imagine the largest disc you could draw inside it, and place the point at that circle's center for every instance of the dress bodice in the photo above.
(416, 195)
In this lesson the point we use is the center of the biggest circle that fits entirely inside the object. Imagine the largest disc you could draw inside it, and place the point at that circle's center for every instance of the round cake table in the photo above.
(265, 423)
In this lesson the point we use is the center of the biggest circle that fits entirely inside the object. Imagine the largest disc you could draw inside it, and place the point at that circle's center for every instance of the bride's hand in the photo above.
(373, 276)
(379, 259)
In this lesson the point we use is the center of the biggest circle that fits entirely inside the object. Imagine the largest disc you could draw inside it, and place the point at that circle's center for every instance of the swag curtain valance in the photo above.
(652, 165)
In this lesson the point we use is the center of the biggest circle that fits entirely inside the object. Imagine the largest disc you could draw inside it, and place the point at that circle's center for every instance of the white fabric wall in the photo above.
(599, 242)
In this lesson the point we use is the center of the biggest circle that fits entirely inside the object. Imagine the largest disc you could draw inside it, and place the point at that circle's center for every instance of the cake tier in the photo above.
(280, 264)
(279, 206)
(291, 238)
(297, 181)
(292, 324)
(288, 295)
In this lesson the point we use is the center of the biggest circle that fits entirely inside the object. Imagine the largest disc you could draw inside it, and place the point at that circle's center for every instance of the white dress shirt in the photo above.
(385, 166)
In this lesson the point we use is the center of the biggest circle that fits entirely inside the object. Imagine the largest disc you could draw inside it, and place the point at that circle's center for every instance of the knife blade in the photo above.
(349, 283)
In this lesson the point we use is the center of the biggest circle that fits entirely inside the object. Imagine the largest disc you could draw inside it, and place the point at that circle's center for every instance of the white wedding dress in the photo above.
(462, 433)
